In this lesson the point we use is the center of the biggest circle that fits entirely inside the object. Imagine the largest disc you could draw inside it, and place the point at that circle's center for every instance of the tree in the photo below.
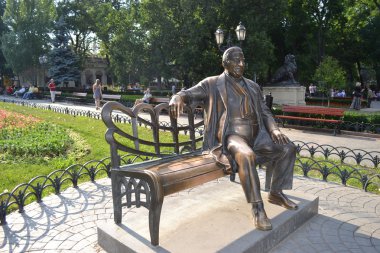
(79, 20)
(330, 75)
(64, 63)
(27, 36)
(4, 68)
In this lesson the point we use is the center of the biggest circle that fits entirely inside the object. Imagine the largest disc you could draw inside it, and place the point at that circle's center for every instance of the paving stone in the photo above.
(67, 245)
(348, 220)
(81, 245)
(52, 245)
(370, 250)
(361, 241)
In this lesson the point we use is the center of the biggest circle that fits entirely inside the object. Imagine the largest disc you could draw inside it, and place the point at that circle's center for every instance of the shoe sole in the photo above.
(282, 204)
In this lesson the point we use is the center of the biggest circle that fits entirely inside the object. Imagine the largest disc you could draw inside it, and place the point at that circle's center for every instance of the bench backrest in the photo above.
(79, 94)
(313, 110)
(111, 96)
(159, 100)
(58, 92)
(157, 139)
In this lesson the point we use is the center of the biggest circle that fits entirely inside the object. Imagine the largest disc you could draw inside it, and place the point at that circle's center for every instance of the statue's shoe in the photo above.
(279, 198)
(260, 218)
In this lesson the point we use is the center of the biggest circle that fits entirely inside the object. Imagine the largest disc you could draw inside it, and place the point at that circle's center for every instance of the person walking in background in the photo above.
(52, 88)
(97, 90)
(370, 96)
(357, 96)
(173, 89)
(312, 90)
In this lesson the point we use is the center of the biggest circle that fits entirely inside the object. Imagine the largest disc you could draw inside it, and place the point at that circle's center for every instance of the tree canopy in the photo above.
(149, 39)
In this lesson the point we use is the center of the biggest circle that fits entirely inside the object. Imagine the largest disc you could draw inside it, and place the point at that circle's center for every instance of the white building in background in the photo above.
(94, 68)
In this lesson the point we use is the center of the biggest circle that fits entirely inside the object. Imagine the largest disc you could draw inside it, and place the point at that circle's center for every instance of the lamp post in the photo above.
(219, 37)
(43, 60)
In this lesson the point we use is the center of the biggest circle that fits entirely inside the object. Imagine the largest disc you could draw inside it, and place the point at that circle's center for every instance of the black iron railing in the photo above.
(326, 162)
(340, 164)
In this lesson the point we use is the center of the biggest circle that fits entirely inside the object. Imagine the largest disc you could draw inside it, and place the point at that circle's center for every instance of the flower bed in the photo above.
(27, 136)
(10, 120)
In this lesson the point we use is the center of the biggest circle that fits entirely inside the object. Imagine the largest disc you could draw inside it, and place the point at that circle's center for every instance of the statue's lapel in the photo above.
(253, 91)
(221, 85)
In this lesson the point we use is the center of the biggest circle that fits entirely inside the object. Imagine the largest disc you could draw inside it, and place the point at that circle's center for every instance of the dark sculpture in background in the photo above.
(284, 76)
(240, 133)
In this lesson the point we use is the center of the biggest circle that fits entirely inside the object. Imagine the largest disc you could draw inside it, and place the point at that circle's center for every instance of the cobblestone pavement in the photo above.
(348, 219)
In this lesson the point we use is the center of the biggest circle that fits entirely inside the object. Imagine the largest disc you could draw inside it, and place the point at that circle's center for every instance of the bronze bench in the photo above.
(146, 183)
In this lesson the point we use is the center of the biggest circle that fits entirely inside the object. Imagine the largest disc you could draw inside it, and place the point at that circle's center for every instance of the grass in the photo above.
(91, 131)
(90, 135)
(336, 168)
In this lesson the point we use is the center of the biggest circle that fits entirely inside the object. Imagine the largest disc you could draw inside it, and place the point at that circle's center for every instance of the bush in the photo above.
(360, 117)
(42, 139)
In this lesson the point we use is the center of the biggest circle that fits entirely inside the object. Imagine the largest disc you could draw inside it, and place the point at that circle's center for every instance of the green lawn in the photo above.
(90, 130)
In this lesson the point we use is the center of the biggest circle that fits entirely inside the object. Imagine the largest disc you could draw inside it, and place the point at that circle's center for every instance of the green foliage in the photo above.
(27, 37)
(89, 143)
(330, 75)
(144, 40)
(64, 63)
(42, 139)
(361, 117)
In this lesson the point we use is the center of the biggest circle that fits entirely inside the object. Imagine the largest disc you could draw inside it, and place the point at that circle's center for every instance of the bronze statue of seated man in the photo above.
(240, 133)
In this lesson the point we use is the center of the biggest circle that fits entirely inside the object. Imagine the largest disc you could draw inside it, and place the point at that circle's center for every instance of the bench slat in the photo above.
(313, 113)
(111, 96)
(157, 100)
(336, 121)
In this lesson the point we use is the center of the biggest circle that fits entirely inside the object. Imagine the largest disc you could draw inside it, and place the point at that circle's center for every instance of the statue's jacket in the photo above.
(211, 93)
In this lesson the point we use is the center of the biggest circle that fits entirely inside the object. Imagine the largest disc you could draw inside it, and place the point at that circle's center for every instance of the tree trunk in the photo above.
(159, 84)
(360, 72)
(377, 70)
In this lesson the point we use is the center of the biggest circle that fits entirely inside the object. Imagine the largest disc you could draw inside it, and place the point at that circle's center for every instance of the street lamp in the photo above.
(43, 60)
(219, 37)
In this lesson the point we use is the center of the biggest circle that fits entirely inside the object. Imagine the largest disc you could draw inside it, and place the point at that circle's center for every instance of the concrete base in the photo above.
(214, 217)
(287, 95)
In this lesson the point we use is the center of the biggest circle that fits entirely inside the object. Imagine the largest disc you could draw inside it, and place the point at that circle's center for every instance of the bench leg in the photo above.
(116, 197)
(154, 221)
(136, 183)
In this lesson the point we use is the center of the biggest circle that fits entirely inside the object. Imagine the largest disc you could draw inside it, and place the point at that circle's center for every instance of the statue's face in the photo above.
(235, 64)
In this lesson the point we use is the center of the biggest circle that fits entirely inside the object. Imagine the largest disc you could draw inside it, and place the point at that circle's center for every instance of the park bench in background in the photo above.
(77, 97)
(110, 97)
(58, 95)
(146, 183)
(313, 114)
(158, 100)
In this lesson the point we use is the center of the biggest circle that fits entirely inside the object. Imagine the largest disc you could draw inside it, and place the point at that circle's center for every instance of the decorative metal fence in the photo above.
(340, 164)
(346, 125)
(325, 161)
(356, 167)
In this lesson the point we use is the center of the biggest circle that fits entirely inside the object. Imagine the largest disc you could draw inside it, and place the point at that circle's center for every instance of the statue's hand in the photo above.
(279, 138)
(176, 106)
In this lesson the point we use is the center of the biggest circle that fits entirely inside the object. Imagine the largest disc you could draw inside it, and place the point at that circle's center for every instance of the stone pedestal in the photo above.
(214, 217)
(286, 95)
